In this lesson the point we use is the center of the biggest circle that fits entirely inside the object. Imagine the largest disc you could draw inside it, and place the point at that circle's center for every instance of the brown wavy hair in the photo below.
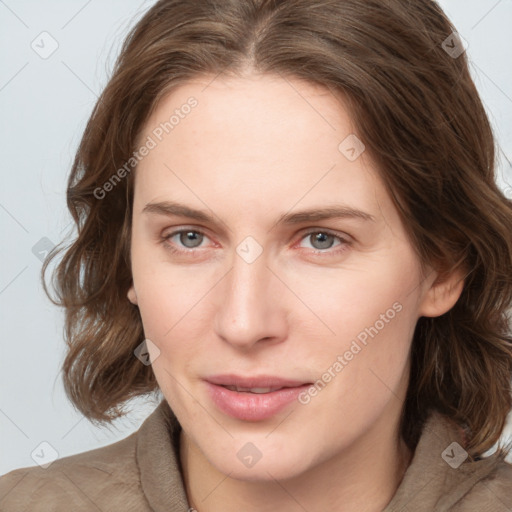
(417, 110)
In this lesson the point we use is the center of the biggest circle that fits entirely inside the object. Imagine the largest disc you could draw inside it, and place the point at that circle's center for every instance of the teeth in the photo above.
(252, 390)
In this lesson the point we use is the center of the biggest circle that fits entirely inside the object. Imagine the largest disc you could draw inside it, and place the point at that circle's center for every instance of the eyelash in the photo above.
(344, 243)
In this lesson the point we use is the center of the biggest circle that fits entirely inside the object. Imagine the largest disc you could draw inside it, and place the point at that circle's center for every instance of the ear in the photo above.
(442, 293)
(132, 296)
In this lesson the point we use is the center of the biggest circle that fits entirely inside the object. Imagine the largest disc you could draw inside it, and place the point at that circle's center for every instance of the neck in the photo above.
(362, 478)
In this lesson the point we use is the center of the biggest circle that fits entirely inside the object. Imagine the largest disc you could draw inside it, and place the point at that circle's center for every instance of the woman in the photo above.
(288, 224)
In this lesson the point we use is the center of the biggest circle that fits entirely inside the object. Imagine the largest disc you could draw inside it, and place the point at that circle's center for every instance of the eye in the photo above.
(188, 238)
(321, 240)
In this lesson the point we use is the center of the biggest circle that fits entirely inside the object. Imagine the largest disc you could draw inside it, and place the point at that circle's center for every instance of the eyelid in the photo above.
(345, 242)
(304, 232)
(166, 236)
(308, 231)
(342, 236)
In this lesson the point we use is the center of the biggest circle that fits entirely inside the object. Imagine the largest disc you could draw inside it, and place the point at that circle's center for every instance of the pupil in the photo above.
(323, 239)
(191, 236)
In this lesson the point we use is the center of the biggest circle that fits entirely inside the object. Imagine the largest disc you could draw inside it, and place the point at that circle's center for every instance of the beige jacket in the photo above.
(141, 473)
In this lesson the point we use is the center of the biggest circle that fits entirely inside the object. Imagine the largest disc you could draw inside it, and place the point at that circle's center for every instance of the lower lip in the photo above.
(253, 406)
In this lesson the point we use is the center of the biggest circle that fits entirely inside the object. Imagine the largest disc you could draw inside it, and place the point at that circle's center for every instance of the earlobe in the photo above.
(442, 295)
(132, 296)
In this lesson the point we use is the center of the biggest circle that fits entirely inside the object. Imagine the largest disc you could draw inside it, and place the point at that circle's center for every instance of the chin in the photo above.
(267, 471)
(281, 461)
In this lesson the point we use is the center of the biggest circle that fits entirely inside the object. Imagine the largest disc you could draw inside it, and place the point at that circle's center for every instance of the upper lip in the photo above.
(260, 381)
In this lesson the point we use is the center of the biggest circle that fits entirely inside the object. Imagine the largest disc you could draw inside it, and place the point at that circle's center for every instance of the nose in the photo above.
(250, 304)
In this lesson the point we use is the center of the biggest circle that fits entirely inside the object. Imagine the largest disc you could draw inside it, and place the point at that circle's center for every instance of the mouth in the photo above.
(253, 390)
(244, 383)
(253, 398)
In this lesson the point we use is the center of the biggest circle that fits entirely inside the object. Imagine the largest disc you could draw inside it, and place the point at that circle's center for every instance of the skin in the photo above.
(255, 148)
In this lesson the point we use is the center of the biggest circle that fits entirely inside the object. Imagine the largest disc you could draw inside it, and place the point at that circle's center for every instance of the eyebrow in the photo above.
(171, 208)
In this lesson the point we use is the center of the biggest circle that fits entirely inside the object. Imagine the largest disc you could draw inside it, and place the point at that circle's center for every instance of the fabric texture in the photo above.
(142, 473)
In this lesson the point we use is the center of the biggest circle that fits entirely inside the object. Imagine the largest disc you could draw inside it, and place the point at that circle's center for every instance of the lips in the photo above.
(253, 398)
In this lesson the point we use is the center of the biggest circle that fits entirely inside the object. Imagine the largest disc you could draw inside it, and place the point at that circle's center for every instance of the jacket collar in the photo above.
(158, 461)
(440, 473)
(429, 483)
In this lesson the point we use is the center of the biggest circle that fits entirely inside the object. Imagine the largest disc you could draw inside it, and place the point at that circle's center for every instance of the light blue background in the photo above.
(44, 105)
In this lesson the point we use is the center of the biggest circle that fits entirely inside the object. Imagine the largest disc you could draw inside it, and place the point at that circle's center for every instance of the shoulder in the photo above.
(92, 480)
(489, 492)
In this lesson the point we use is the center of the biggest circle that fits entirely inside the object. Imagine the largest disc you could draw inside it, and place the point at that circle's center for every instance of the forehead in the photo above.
(255, 109)
(270, 139)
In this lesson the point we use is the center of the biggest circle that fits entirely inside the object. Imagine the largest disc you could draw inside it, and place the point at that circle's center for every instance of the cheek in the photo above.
(166, 294)
(371, 316)
(168, 316)
(173, 303)
(345, 302)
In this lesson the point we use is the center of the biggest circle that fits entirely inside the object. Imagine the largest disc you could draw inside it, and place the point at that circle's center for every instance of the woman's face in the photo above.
(265, 247)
